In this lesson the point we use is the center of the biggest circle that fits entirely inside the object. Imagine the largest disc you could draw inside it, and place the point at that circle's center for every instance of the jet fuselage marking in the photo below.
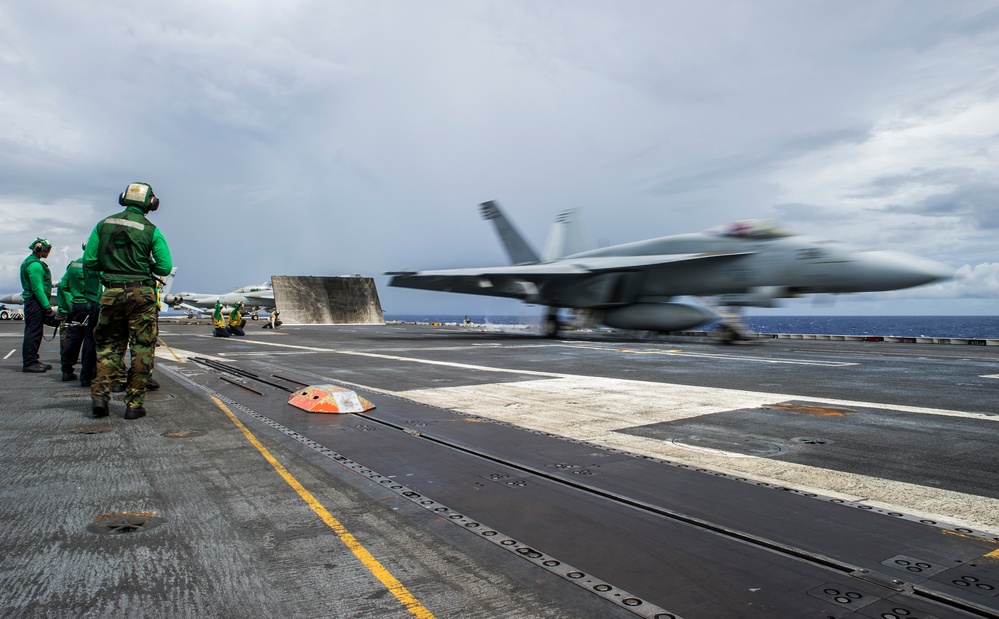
(748, 394)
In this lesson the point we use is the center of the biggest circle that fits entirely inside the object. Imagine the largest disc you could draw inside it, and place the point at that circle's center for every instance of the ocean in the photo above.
(901, 326)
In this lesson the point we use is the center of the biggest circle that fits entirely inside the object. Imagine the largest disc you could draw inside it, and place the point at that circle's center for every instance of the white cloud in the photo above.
(323, 138)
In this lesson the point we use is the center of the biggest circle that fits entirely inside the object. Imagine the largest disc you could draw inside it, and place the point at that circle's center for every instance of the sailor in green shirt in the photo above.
(127, 250)
(79, 290)
(36, 282)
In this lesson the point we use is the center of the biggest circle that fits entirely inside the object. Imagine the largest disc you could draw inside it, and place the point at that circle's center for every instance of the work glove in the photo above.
(52, 318)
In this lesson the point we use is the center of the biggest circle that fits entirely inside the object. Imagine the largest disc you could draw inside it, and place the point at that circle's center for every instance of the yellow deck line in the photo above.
(395, 587)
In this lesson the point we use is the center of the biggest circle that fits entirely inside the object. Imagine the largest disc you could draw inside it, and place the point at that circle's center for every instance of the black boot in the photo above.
(99, 410)
(151, 385)
(134, 413)
(68, 377)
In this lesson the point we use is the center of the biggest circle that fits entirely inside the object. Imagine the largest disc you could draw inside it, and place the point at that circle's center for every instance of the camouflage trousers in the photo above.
(126, 315)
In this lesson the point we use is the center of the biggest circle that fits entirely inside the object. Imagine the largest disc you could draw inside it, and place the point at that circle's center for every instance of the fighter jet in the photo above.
(163, 284)
(254, 298)
(633, 286)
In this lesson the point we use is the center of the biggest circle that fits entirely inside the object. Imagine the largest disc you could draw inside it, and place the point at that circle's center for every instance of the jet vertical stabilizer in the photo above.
(168, 282)
(566, 237)
(517, 248)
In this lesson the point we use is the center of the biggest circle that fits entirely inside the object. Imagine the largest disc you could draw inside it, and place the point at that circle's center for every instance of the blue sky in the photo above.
(327, 138)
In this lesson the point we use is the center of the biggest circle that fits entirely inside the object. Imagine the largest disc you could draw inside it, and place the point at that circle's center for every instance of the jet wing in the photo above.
(605, 264)
(191, 308)
(263, 299)
(523, 281)
(260, 296)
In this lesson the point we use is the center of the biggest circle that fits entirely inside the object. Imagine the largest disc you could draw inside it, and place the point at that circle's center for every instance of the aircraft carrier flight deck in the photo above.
(501, 474)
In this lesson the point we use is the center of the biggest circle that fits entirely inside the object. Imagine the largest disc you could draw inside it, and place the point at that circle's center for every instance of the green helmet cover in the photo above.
(140, 195)
(40, 241)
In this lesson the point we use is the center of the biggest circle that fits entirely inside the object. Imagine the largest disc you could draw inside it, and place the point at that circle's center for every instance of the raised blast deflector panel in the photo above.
(314, 300)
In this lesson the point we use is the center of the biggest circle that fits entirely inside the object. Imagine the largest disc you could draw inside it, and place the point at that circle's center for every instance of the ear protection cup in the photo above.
(141, 195)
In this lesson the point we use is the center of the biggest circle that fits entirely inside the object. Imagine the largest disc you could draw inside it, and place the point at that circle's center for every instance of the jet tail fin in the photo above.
(516, 247)
(167, 282)
(566, 237)
(163, 289)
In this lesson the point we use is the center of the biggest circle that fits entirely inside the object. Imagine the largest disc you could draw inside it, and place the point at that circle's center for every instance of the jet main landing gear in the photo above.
(550, 325)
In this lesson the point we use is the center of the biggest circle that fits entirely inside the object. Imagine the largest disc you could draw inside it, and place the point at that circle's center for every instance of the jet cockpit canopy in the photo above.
(752, 229)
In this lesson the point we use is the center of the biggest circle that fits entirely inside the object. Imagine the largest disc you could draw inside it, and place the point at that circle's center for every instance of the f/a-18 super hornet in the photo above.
(633, 286)
(254, 298)
(163, 286)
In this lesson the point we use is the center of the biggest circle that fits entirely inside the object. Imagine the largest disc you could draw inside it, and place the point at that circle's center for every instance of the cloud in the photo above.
(310, 137)
(980, 281)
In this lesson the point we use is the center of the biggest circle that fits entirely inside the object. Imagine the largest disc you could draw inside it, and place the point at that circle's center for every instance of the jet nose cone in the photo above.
(889, 270)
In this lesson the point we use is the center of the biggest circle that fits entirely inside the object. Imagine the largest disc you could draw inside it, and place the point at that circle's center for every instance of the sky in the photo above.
(328, 138)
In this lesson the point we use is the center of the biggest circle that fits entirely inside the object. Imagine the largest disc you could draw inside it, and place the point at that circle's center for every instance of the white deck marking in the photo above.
(593, 409)
(680, 353)
(684, 400)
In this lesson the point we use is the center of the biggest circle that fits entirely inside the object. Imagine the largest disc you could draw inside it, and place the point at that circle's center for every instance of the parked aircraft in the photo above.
(164, 285)
(254, 298)
(632, 286)
(10, 313)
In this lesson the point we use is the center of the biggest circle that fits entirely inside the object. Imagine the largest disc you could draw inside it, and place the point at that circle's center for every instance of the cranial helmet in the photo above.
(140, 195)
(40, 244)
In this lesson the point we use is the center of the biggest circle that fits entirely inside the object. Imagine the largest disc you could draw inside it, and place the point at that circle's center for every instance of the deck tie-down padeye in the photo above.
(329, 399)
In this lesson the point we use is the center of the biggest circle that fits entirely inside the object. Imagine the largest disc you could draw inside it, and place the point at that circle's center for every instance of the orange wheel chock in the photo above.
(329, 399)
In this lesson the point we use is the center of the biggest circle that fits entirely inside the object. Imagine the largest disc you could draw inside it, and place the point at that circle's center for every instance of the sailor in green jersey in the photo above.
(36, 282)
(127, 250)
(79, 290)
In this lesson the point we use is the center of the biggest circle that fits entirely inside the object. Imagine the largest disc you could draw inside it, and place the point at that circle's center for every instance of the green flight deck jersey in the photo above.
(135, 249)
(36, 281)
(78, 286)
